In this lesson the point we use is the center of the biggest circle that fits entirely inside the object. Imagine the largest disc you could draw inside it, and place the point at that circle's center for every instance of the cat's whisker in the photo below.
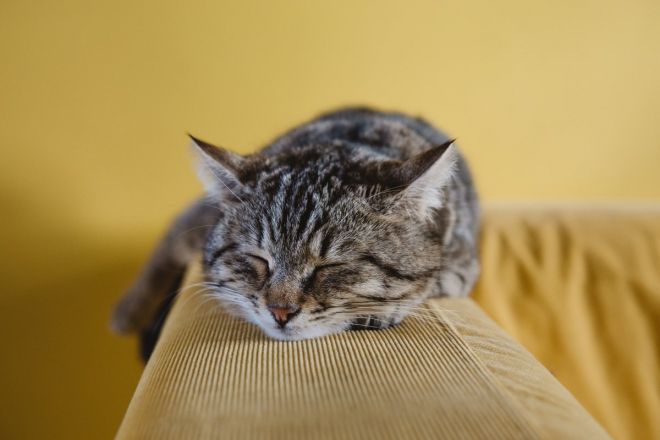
(160, 319)
(193, 296)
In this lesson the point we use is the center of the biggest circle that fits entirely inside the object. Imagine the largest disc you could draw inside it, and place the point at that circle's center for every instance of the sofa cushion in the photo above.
(579, 286)
(447, 372)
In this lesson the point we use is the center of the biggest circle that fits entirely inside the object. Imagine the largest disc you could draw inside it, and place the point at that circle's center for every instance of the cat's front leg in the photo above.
(162, 275)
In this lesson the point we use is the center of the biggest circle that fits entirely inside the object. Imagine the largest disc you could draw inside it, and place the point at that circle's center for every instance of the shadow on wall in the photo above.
(65, 376)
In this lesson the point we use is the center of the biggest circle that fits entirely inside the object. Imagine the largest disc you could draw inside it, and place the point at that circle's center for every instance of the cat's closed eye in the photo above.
(319, 273)
(260, 265)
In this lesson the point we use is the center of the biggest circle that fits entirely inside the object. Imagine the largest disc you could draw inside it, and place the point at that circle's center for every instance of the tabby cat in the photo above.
(347, 222)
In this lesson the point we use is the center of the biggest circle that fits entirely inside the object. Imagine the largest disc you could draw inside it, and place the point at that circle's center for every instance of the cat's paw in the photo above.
(128, 316)
(373, 322)
(123, 322)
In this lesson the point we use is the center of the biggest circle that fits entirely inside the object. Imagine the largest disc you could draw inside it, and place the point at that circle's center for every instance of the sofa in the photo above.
(559, 340)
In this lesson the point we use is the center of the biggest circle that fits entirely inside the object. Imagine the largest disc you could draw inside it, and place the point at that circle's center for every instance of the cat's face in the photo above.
(307, 250)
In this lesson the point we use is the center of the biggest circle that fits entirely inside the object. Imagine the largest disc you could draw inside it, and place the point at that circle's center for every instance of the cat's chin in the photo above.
(295, 333)
(298, 334)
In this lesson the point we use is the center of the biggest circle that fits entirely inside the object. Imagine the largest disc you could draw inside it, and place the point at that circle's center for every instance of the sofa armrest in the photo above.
(451, 373)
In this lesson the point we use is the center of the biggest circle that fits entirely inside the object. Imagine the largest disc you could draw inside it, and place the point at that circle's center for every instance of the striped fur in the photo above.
(352, 220)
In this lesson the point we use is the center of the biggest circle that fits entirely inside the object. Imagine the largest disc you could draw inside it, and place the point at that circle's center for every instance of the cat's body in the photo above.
(348, 221)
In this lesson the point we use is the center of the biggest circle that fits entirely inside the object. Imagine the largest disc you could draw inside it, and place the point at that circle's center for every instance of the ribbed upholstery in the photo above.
(545, 402)
(450, 373)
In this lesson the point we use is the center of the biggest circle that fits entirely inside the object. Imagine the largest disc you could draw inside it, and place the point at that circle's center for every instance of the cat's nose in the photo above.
(283, 314)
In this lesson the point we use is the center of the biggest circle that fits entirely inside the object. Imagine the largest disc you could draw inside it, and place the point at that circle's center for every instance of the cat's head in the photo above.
(318, 240)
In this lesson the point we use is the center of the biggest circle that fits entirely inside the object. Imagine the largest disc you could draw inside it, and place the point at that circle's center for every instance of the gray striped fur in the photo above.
(354, 218)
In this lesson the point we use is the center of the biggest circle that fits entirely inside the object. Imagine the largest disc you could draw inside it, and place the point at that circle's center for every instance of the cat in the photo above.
(346, 222)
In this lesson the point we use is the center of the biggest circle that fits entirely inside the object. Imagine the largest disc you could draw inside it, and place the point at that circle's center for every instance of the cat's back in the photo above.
(394, 135)
(380, 135)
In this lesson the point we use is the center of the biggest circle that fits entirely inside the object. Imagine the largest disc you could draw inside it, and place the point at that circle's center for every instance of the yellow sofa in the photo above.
(578, 287)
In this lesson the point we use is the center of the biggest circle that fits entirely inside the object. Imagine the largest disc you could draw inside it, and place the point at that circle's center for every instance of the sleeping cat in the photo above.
(347, 222)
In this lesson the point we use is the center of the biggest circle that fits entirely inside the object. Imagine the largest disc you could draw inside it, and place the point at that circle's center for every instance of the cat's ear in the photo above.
(218, 169)
(425, 176)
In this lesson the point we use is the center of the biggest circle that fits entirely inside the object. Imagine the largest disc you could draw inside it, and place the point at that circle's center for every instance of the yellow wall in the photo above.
(550, 100)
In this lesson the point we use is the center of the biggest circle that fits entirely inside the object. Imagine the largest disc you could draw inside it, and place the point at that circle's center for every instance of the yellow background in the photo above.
(549, 100)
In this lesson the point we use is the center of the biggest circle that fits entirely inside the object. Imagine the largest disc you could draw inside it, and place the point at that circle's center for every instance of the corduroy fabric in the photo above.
(545, 402)
(447, 373)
